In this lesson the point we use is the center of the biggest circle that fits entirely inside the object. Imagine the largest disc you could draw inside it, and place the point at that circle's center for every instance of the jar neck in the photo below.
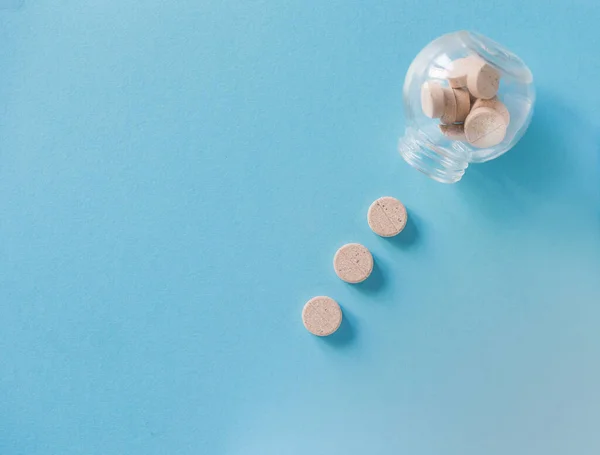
(444, 164)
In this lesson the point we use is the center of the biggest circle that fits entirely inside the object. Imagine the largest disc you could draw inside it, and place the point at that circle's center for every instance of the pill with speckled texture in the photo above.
(463, 103)
(353, 263)
(450, 109)
(458, 71)
(485, 127)
(495, 104)
(483, 79)
(321, 316)
(387, 216)
(432, 99)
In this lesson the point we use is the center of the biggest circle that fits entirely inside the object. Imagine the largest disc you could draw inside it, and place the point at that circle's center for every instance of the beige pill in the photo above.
(432, 99)
(483, 79)
(485, 127)
(353, 263)
(387, 216)
(495, 104)
(463, 104)
(322, 316)
(456, 132)
(457, 72)
(449, 107)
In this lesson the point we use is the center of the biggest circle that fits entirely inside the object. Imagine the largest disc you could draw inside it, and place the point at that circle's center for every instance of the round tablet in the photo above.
(485, 127)
(449, 106)
(483, 80)
(353, 263)
(495, 104)
(457, 72)
(387, 216)
(463, 103)
(321, 316)
(432, 99)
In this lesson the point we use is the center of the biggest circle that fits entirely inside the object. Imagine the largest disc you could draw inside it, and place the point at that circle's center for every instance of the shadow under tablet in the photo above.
(346, 334)
(374, 283)
(409, 237)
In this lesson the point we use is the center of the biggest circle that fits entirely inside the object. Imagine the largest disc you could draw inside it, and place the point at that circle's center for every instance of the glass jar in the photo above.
(427, 144)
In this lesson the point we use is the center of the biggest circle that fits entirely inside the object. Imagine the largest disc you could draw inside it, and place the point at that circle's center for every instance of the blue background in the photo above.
(175, 177)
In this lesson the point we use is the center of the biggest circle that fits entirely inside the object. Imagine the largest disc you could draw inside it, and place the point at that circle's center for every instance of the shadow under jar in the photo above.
(444, 133)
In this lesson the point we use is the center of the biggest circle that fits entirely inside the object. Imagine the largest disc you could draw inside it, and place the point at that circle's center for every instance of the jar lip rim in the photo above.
(496, 54)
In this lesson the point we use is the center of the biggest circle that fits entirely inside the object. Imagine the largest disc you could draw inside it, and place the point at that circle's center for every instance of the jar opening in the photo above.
(444, 164)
